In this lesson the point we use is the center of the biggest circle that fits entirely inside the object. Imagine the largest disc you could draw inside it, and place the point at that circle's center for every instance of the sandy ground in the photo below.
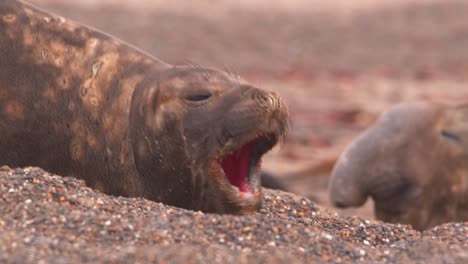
(47, 218)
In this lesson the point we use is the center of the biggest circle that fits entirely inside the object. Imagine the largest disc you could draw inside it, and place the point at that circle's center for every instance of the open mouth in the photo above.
(242, 165)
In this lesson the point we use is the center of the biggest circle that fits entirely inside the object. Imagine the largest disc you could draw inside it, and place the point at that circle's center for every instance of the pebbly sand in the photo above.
(45, 218)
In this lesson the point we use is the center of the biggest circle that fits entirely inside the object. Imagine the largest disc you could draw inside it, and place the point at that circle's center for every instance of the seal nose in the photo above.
(267, 100)
(274, 100)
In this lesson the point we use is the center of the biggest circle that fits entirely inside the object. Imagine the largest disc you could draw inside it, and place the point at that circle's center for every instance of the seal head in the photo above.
(198, 137)
(78, 102)
(412, 162)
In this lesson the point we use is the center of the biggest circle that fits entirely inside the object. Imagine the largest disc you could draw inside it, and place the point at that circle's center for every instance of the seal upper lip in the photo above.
(242, 164)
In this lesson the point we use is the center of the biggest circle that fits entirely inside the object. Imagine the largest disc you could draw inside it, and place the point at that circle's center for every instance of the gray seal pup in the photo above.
(413, 162)
(77, 102)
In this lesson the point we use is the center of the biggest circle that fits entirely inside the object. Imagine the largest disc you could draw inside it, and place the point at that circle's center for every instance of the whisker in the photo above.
(206, 75)
(231, 73)
(227, 71)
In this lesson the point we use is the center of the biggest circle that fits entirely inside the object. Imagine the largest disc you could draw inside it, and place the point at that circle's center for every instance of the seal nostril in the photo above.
(274, 100)
(267, 100)
(271, 100)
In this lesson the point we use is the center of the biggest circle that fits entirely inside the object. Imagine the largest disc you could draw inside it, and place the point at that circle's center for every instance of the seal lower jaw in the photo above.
(240, 166)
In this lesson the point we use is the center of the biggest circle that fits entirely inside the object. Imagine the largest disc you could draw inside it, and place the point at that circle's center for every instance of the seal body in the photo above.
(413, 162)
(80, 103)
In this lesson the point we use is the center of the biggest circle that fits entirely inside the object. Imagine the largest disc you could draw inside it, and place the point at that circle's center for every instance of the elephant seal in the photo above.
(78, 102)
(413, 163)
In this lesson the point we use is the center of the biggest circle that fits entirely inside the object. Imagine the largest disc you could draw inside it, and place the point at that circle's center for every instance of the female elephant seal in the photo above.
(414, 164)
(77, 102)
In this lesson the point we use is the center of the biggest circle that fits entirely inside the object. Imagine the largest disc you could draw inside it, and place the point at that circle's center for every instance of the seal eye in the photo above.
(198, 97)
(451, 135)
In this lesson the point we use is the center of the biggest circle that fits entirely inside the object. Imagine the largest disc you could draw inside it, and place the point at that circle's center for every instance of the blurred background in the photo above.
(338, 64)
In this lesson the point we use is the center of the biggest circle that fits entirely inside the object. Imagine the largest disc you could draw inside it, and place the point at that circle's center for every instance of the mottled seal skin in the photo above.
(80, 103)
(413, 163)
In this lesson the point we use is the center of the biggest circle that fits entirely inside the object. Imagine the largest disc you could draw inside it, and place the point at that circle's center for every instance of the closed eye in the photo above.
(198, 97)
(451, 136)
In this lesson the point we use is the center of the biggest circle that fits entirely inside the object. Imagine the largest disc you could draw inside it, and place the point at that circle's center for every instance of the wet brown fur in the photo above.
(414, 164)
(80, 103)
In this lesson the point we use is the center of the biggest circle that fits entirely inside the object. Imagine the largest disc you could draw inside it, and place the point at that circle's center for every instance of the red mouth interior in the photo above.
(236, 166)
